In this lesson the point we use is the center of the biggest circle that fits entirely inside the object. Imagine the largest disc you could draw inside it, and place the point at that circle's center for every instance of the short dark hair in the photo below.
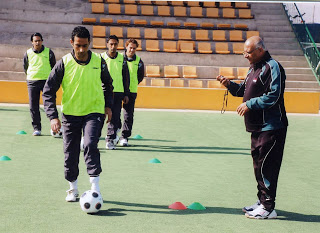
(80, 32)
(133, 41)
(112, 37)
(36, 34)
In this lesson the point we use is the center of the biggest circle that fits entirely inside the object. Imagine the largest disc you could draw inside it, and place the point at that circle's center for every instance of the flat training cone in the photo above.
(21, 132)
(137, 137)
(196, 206)
(155, 160)
(4, 158)
(177, 206)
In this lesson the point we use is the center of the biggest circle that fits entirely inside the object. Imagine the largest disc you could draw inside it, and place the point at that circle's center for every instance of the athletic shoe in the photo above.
(124, 142)
(251, 207)
(261, 213)
(116, 140)
(36, 133)
(72, 195)
(110, 146)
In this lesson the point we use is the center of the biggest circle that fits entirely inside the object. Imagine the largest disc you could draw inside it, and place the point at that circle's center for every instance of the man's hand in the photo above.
(108, 112)
(242, 109)
(223, 80)
(55, 125)
(126, 100)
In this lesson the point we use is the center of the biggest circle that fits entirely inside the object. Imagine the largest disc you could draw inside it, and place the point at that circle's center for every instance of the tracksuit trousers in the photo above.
(115, 122)
(73, 126)
(267, 152)
(34, 89)
(128, 112)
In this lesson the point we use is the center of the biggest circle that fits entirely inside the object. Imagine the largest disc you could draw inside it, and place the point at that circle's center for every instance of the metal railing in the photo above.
(309, 47)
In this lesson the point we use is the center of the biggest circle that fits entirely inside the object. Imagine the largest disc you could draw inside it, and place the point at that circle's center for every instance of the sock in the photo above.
(94, 180)
(74, 184)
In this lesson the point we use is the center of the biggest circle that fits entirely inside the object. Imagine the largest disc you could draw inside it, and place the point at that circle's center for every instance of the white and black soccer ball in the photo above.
(91, 201)
(57, 135)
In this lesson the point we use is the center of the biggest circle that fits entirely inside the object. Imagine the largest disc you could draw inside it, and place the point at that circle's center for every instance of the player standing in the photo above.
(136, 72)
(119, 72)
(37, 63)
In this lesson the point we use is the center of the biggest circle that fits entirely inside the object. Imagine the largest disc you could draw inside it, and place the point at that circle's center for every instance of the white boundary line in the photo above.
(170, 110)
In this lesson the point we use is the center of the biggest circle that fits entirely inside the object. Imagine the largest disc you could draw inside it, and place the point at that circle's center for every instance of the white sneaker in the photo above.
(124, 142)
(82, 144)
(36, 133)
(110, 146)
(72, 195)
(251, 207)
(261, 213)
(116, 140)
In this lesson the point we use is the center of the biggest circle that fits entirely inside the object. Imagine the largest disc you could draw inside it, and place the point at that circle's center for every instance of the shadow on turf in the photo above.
(151, 140)
(163, 209)
(187, 149)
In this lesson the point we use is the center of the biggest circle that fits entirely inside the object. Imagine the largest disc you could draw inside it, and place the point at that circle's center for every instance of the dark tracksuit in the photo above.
(263, 91)
(34, 89)
(73, 126)
(129, 107)
(115, 122)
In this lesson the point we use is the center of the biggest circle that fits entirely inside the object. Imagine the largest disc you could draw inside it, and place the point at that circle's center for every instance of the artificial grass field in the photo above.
(205, 158)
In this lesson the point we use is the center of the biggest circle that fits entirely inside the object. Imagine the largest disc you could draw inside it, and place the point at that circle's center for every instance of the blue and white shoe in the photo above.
(261, 213)
(36, 133)
(251, 207)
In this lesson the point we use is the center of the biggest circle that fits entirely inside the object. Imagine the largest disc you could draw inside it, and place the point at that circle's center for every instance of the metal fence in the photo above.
(309, 47)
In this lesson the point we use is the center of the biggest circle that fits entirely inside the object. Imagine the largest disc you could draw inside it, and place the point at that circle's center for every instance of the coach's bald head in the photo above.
(254, 49)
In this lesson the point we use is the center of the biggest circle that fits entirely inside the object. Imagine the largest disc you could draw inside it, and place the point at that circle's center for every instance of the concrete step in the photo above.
(285, 52)
(302, 90)
(280, 40)
(276, 23)
(266, 6)
(283, 46)
(300, 77)
(276, 35)
(12, 76)
(11, 64)
(299, 71)
(302, 84)
(267, 28)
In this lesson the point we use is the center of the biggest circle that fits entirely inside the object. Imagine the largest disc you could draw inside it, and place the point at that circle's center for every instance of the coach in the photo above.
(265, 117)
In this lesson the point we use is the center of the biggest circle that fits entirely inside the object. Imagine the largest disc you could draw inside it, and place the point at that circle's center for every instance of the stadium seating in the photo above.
(242, 72)
(131, 9)
(176, 83)
(153, 71)
(151, 33)
(161, 3)
(187, 47)
(204, 47)
(167, 34)
(193, 3)
(202, 35)
(196, 12)
(223, 26)
(185, 34)
(152, 45)
(133, 33)
(171, 72)
(89, 20)
(147, 10)
(237, 48)
(235, 35)
(99, 43)
(196, 83)
(212, 12)
(189, 72)
(170, 46)
(157, 82)
(156, 23)
(225, 4)
(97, 8)
(123, 21)
(209, 4)
(207, 25)
(252, 33)
(222, 48)
(241, 5)
(214, 84)
(164, 11)
(227, 72)
(228, 13)
(118, 31)
(190, 24)
(145, 2)
(219, 35)
(140, 22)
(114, 9)
(180, 11)
(245, 14)
(106, 20)
(99, 31)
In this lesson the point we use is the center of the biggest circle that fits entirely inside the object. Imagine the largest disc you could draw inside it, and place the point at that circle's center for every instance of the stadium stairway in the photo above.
(56, 19)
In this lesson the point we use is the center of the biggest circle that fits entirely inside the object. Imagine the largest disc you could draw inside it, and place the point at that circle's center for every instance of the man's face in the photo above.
(252, 53)
(80, 47)
(112, 45)
(131, 49)
(36, 42)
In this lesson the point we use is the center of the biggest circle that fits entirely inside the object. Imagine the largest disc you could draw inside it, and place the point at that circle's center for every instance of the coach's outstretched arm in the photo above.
(234, 88)
(49, 95)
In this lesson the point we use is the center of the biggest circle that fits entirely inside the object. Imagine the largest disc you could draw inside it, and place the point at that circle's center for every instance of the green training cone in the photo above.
(196, 206)
(154, 161)
(137, 137)
(21, 132)
(4, 158)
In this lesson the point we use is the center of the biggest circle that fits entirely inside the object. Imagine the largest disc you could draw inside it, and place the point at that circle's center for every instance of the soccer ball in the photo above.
(91, 201)
(57, 135)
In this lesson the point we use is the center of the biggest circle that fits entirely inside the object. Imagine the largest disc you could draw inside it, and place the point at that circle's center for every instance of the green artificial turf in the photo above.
(205, 158)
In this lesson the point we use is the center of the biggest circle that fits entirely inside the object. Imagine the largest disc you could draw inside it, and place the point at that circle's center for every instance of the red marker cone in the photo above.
(177, 206)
